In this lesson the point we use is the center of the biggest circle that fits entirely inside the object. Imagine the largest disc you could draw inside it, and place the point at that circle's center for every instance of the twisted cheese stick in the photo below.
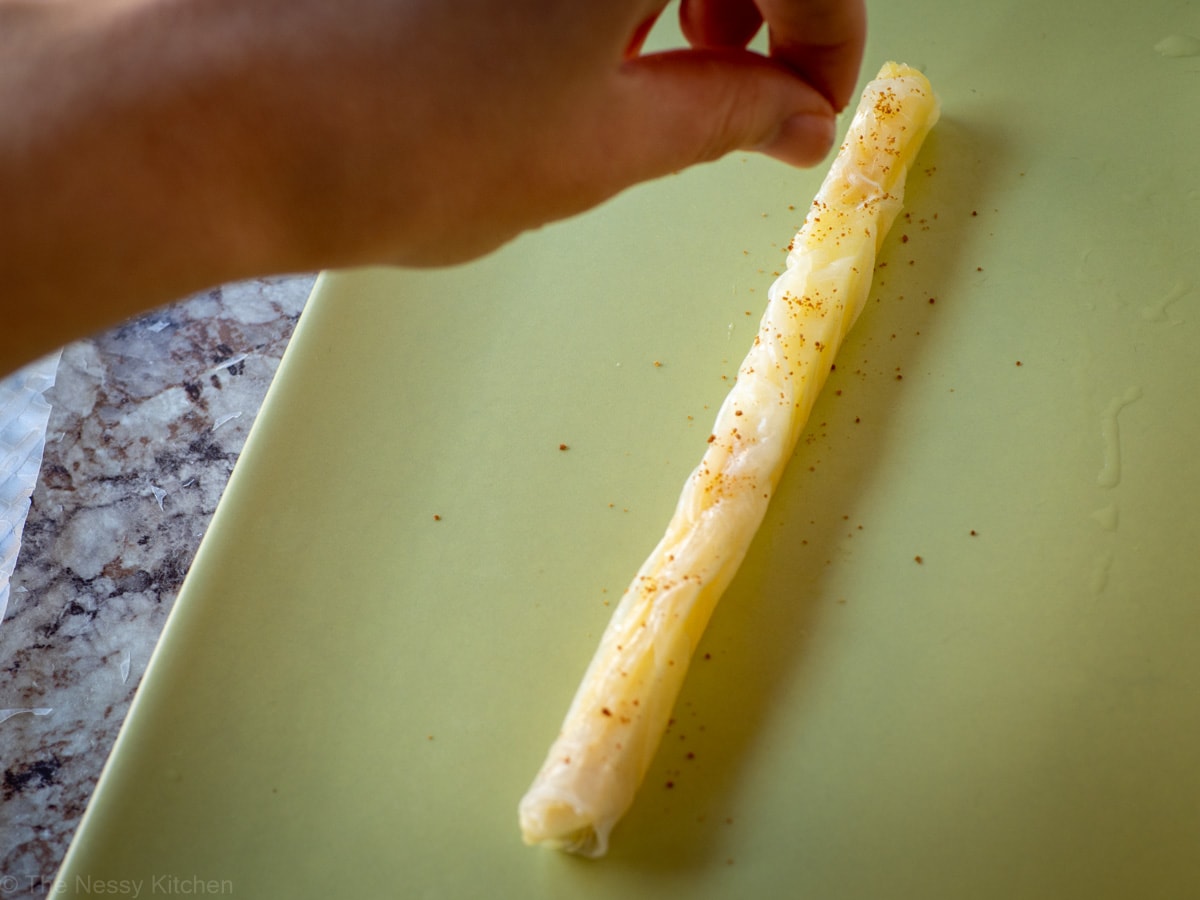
(621, 709)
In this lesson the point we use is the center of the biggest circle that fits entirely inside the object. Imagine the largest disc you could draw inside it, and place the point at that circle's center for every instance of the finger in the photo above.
(719, 23)
(640, 32)
(822, 40)
(674, 109)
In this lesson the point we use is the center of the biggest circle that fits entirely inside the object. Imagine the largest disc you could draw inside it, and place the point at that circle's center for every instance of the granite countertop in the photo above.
(146, 423)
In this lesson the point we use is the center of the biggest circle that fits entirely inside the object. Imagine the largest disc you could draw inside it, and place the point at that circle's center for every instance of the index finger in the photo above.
(821, 40)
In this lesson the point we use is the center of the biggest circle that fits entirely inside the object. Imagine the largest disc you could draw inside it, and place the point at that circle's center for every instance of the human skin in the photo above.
(150, 148)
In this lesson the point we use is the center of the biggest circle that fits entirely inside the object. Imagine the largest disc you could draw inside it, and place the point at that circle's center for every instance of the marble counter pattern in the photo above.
(147, 422)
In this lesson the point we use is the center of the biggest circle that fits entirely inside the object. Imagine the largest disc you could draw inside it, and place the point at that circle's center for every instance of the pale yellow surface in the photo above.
(350, 694)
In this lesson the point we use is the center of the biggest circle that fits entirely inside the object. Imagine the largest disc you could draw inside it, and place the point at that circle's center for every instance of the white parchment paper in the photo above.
(24, 413)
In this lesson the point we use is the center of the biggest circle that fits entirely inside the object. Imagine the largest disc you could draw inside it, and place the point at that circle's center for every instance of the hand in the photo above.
(457, 126)
(150, 148)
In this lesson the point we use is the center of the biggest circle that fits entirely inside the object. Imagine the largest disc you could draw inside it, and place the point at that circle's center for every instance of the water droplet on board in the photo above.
(1175, 46)
(1110, 433)
(1157, 312)
(1086, 272)
(1100, 572)
(1106, 517)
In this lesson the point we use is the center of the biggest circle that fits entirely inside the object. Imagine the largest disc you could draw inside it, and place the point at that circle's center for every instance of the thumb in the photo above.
(683, 107)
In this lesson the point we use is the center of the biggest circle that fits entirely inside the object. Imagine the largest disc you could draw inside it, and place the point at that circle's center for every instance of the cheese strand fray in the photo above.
(620, 712)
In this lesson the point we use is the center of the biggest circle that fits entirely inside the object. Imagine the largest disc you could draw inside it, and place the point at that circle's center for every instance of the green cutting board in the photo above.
(962, 658)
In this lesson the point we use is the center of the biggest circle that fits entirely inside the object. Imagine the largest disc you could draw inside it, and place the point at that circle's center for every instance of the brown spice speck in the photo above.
(918, 560)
